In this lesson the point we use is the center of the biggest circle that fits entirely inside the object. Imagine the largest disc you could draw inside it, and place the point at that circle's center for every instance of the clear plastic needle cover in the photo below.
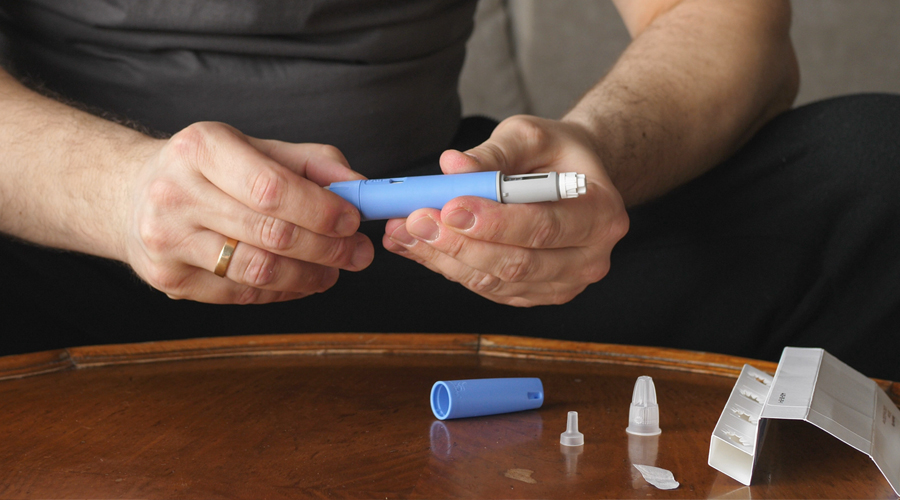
(643, 416)
(571, 437)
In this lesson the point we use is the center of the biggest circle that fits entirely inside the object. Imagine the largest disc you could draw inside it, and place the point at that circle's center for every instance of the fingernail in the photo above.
(460, 218)
(362, 255)
(424, 228)
(402, 237)
(347, 224)
(470, 155)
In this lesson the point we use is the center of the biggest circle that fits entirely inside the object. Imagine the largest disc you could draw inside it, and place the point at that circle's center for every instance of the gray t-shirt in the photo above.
(377, 79)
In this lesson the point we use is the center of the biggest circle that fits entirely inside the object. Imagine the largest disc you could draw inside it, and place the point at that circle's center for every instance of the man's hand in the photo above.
(209, 182)
(521, 255)
(699, 78)
(74, 181)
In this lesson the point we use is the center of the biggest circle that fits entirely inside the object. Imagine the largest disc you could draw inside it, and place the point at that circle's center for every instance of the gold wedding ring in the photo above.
(225, 257)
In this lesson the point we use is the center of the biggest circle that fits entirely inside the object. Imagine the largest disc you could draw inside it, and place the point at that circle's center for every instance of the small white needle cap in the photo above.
(571, 437)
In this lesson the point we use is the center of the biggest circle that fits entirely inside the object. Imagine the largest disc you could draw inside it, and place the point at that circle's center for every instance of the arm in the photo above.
(73, 181)
(58, 167)
(700, 77)
(698, 81)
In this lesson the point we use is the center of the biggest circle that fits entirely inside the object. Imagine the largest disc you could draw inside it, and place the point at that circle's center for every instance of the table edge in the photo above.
(74, 358)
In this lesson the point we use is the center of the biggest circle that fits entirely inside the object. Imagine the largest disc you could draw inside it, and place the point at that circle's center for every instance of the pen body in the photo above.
(398, 197)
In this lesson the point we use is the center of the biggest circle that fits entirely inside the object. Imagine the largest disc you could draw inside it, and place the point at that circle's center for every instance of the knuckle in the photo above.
(619, 226)
(260, 269)
(559, 299)
(493, 229)
(453, 247)
(517, 267)
(192, 144)
(327, 279)
(267, 191)
(500, 157)
(609, 230)
(248, 295)
(528, 129)
(164, 195)
(156, 236)
(595, 271)
(561, 294)
(336, 252)
(545, 234)
(481, 282)
(276, 234)
(520, 302)
(167, 279)
(332, 152)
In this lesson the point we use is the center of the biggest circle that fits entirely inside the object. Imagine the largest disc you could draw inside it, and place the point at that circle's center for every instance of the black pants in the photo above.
(793, 241)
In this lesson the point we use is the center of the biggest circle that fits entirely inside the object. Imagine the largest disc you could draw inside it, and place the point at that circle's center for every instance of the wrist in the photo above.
(65, 175)
(629, 145)
(135, 154)
(597, 135)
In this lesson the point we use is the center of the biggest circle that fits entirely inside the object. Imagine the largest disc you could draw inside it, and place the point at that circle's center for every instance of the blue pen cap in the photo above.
(485, 396)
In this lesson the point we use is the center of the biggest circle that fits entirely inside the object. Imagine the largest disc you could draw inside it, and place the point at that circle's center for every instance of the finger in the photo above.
(202, 286)
(262, 184)
(224, 215)
(258, 268)
(400, 241)
(511, 264)
(519, 144)
(320, 163)
(559, 224)
(484, 284)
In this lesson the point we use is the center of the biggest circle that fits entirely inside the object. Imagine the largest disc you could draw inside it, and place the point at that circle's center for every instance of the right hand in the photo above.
(210, 182)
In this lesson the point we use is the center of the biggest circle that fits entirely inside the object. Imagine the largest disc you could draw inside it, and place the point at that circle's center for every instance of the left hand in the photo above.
(528, 254)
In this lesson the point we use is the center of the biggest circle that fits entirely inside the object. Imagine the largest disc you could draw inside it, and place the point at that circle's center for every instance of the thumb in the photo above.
(519, 144)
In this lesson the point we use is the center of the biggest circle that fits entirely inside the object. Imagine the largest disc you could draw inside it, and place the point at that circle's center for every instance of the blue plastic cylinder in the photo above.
(398, 197)
(486, 396)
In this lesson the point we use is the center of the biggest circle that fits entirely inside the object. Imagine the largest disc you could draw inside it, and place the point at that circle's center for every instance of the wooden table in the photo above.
(348, 416)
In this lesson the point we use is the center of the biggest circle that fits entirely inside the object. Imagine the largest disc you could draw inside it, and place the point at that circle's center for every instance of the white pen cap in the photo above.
(571, 185)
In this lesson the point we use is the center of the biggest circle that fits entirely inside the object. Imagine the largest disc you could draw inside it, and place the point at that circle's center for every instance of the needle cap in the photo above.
(571, 437)
(643, 416)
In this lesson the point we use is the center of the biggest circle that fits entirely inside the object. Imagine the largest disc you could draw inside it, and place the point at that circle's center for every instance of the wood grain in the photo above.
(690, 361)
(25, 365)
(347, 416)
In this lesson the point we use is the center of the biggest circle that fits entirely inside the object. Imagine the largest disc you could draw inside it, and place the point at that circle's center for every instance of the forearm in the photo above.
(695, 84)
(64, 173)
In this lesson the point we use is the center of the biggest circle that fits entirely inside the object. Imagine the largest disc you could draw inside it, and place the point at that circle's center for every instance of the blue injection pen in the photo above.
(398, 197)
